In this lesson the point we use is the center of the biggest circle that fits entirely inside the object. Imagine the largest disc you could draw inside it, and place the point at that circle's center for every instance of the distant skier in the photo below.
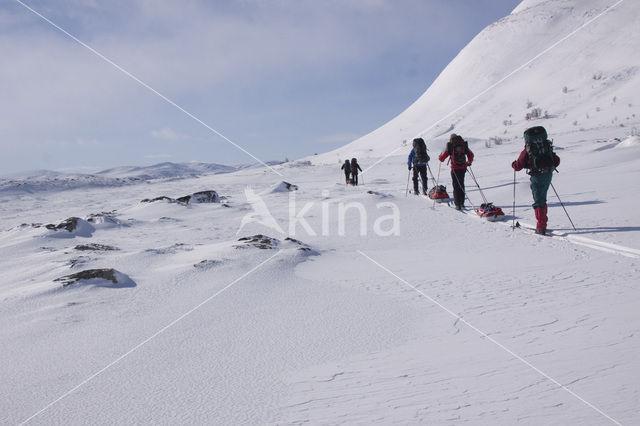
(346, 167)
(539, 158)
(460, 157)
(354, 171)
(418, 159)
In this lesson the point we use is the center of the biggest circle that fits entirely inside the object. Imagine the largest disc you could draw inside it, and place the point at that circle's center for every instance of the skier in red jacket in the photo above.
(461, 157)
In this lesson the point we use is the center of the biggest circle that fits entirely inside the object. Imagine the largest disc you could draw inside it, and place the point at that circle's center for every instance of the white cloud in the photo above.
(168, 134)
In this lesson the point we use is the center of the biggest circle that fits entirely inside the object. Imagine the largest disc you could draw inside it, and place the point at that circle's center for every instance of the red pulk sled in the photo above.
(490, 212)
(439, 193)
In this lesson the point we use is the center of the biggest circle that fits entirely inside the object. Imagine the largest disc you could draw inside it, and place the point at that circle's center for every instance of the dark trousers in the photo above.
(346, 177)
(422, 171)
(457, 176)
(354, 178)
(539, 186)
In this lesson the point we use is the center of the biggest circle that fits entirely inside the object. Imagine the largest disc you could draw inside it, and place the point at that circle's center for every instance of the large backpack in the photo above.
(458, 151)
(540, 150)
(354, 166)
(420, 151)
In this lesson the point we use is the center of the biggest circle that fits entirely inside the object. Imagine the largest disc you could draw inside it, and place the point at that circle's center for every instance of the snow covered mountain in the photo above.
(564, 62)
(167, 170)
(43, 180)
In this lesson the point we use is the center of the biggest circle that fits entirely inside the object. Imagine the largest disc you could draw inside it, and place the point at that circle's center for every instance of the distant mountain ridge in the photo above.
(42, 180)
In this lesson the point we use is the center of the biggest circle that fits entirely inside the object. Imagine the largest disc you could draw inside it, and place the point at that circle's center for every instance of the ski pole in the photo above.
(406, 194)
(480, 189)
(437, 183)
(565, 210)
(513, 226)
(431, 173)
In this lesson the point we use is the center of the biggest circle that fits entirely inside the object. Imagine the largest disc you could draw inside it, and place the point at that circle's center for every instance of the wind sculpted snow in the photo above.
(335, 304)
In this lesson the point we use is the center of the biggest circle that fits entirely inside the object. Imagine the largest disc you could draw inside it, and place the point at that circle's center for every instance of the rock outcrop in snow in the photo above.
(71, 227)
(98, 278)
(201, 197)
(284, 187)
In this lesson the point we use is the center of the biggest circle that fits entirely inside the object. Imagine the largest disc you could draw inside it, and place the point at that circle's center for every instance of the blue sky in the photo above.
(282, 78)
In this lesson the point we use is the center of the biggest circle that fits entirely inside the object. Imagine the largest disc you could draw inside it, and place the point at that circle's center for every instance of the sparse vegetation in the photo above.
(494, 140)
(534, 114)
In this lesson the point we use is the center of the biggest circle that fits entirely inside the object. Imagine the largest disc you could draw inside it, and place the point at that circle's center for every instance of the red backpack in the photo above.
(458, 151)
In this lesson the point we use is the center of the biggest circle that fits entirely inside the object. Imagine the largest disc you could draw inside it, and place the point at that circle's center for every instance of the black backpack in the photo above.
(540, 150)
(458, 150)
(420, 151)
(354, 166)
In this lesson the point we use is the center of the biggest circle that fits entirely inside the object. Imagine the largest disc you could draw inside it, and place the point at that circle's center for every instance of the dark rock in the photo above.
(175, 248)
(195, 198)
(95, 247)
(30, 225)
(74, 226)
(303, 246)
(205, 197)
(102, 217)
(153, 200)
(206, 264)
(78, 261)
(260, 241)
(200, 197)
(284, 187)
(70, 225)
(117, 278)
(105, 274)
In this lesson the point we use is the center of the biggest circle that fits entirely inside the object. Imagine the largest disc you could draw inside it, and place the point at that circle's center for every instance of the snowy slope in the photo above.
(323, 336)
(590, 80)
(452, 320)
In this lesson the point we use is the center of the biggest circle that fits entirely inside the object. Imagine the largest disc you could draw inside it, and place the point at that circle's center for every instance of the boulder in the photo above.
(260, 241)
(284, 187)
(95, 247)
(200, 197)
(72, 227)
(97, 277)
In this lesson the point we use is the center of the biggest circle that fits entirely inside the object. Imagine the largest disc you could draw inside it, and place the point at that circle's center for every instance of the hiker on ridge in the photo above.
(460, 157)
(347, 171)
(354, 171)
(539, 158)
(418, 159)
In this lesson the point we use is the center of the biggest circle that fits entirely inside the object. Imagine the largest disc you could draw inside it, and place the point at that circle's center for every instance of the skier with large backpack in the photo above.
(460, 157)
(346, 167)
(354, 171)
(418, 159)
(539, 158)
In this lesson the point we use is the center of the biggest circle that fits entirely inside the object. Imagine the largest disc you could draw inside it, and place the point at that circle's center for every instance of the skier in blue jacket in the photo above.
(418, 159)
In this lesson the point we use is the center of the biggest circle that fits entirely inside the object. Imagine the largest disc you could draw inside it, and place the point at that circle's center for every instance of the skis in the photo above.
(532, 229)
